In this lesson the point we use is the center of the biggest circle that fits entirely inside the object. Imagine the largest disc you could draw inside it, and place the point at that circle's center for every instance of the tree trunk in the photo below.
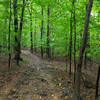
(85, 59)
(48, 33)
(74, 41)
(9, 60)
(31, 33)
(5, 31)
(78, 68)
(20, 33)
(70, 46)
(35, 38)
(41, 32)
(16, 29)
(97, 83)
(87, 46)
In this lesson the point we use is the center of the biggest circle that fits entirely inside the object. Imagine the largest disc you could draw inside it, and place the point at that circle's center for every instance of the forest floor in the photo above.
(37, 79)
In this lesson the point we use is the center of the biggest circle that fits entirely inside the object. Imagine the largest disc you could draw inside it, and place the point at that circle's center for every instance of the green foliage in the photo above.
(60, 11)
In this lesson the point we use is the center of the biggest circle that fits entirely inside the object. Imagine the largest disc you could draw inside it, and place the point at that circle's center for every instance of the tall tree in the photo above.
(70, 45)
(41, 32)
(97, 82)
(16, 28)
(87, 49)
(74, 19)
(5, 25)
(48, 32)
(20, 32)
(82, 49)
(9, 34)
(35, 49)
(31, 32)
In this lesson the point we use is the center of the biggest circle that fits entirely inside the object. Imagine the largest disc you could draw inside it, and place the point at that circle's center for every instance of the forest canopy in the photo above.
(59, 18)
(52, 28)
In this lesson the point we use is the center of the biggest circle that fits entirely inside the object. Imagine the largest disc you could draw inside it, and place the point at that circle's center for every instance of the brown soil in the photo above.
(37, 79)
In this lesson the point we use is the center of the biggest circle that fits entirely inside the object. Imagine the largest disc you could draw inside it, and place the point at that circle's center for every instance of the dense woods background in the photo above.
(68, 28)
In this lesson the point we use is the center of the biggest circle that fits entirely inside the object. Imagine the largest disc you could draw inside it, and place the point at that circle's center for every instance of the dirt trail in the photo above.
(38, 79)
(35, 82)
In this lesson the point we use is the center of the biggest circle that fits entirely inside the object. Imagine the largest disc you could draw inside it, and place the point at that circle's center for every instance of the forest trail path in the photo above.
(37, 81)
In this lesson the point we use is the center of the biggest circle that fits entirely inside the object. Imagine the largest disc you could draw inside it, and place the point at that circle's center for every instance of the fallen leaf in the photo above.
(55, 97)
(66, 97)
(59, 84)
(88, 97)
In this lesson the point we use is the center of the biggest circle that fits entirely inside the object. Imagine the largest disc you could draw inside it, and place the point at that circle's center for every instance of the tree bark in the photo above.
(87, 46)
(9, 60)
(35, 38)
(5, 31)
(74, 40)
(20, 33)
(70, 46)
(41, 32)
(48, 33)
(16, 29)
(82, 49)
(31, 33)
(97, 83)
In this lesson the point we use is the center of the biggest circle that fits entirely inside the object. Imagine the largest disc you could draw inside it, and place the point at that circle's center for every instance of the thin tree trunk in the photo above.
(16, 29)
(70, 46)
(5, 31)
(85, 59)
(74, 41)
(48, 33)
(9, 60)
(31, 33)
(5, 27)
(35, 38)
(20, 34)
(87, 46)
(41, 32)
(97, 83)
(82, 49)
